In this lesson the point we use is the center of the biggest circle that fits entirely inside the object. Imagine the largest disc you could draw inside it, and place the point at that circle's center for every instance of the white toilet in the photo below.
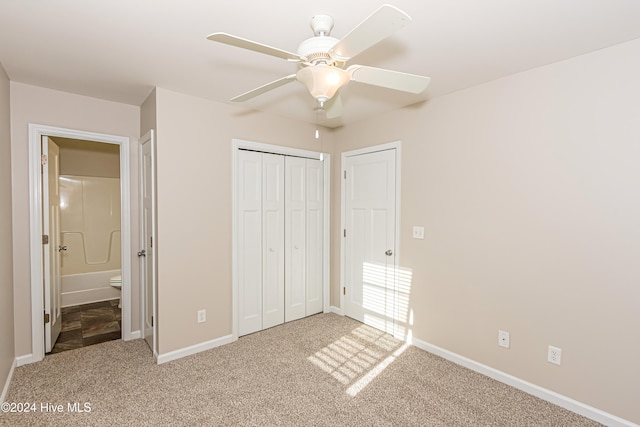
(116, 282)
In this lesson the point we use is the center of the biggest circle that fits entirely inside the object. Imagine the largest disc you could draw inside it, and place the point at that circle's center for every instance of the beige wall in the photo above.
(88, 158)
(148, 114)
(7, 347)
(31, 104)
(194, 209)
(528, 189)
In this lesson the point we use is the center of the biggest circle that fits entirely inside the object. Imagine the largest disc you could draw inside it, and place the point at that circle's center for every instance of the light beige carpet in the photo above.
(325, 370)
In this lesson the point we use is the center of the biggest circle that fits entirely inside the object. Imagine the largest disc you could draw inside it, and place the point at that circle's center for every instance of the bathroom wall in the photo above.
(90, 220)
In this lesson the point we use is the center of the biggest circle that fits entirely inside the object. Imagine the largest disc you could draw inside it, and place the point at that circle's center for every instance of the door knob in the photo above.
(389, 252)
(62, 248)
(142, 253)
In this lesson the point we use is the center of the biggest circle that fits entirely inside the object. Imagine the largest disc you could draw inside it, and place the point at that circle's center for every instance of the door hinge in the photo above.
(151, 241)
(344, 290)
(344, 232)
(45, 239)
(152, 321)
(345, 174)
(43, 159)
(46, 318)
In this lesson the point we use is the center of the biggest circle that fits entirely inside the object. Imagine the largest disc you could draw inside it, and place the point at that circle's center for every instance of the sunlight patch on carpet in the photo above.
(356, 359)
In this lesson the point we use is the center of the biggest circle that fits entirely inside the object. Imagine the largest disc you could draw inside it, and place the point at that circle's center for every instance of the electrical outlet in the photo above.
(554, 355)
(202, 316)
(503, 339)
(418, 232)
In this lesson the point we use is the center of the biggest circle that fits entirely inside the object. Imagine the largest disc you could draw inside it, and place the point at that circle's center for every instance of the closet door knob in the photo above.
(389, 252)
(62, 248)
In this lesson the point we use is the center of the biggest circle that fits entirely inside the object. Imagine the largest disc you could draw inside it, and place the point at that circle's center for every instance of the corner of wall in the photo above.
(7, 321)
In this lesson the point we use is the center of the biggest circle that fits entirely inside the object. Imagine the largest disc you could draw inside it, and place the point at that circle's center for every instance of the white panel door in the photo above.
(273, 277)
(370, 198)
(51, 250)
(147, 253)
(295, 238)
(314, 237)
(249, 243)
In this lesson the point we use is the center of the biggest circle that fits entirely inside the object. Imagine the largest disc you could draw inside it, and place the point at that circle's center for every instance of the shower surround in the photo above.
(90, 228)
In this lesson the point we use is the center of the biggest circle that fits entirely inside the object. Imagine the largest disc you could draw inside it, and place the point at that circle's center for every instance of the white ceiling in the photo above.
(120, 49)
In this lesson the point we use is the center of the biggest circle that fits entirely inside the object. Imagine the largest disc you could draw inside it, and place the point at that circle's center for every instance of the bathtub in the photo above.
(86, 288)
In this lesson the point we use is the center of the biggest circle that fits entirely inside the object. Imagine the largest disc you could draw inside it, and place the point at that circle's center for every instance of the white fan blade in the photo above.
(333, 107)
(387, 78)
(385, 21)
(265, 88)
(256, 47)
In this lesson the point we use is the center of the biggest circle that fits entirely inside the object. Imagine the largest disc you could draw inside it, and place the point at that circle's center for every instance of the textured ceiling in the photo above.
(120, 49)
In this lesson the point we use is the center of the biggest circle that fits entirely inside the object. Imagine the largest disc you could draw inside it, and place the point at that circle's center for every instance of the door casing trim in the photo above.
(36, 132)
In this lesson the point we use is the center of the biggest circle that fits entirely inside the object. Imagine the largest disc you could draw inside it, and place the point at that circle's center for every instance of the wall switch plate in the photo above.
(202, 316)
(418, 232)
(504, 339)
(554, 355)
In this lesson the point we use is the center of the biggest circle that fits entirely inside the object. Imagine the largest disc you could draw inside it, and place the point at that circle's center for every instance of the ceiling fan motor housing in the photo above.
(316, 49)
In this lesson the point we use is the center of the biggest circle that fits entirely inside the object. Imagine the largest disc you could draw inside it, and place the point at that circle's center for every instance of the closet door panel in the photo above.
(272, 240)
(314, 228)
(249, 202)
(295, 238)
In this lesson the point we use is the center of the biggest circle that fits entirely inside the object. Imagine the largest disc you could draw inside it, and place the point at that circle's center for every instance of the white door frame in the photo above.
(237, 145)
(36, 132)
(343, 250)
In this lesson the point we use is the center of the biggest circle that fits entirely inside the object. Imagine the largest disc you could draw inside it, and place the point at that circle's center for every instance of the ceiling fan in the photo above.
(322, 59)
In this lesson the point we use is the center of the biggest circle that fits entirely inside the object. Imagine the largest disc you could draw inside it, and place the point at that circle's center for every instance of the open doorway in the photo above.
(118, 251)
(88, 284)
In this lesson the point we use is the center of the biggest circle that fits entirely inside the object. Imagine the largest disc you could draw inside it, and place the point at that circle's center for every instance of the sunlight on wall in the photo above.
(356, 359)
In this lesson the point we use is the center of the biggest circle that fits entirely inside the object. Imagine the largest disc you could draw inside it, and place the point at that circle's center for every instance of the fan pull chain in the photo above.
(319, 111)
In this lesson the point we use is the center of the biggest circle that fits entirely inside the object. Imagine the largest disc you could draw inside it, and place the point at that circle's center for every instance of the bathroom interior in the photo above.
(89, 187)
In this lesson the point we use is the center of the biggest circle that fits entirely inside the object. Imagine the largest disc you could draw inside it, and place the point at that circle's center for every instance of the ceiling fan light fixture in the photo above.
(322, 81)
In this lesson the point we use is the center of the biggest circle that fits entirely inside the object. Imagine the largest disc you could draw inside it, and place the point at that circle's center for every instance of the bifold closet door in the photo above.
(314, 235)
(280, 239)
(260, 200)
(273, 257)
(303, 237)
(295, 238)
(249, 241)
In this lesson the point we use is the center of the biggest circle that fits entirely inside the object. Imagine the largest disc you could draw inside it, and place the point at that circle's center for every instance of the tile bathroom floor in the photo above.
(88, 324)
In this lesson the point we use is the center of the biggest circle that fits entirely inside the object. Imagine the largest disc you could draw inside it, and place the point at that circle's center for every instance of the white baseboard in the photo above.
(5, 389)
(197, 348)
(540, 392)
(134, 335)
(26, 359)
(336, 310)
